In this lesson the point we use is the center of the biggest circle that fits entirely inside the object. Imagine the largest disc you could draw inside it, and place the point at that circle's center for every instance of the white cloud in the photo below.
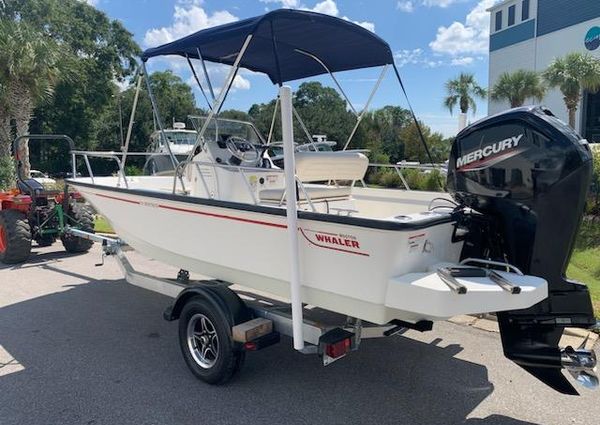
(240, 83)
(188, 17)
(405, 6)
(462, 61)
(328, 7)
(408, 57)
(468, 38)
(284, 3)
(91, 2)
(218, 74)
(420, 58)
(439, 3)
(409, 6)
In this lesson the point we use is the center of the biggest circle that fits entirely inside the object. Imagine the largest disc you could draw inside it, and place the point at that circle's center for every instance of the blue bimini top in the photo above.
(281, 45)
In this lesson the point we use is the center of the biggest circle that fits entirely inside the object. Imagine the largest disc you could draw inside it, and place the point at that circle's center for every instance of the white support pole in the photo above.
(287, 129)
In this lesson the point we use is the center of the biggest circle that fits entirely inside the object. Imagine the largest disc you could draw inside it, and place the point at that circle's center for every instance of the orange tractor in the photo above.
(30, 212)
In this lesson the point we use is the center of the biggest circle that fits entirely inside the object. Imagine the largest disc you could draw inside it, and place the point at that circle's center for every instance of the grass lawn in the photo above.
(101, 225)
(585, 267)
(585, 262)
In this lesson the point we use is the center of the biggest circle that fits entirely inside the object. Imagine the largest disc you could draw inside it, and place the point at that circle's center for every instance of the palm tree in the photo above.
(462, 91)
(4, 121)
(30, 67)
(518, 87)
(572, 74)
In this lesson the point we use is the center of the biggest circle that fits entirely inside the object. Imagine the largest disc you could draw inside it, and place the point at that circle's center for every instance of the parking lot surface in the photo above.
(78, 345)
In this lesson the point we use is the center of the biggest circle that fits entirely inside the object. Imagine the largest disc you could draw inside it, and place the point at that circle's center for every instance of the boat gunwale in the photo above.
(370, 223)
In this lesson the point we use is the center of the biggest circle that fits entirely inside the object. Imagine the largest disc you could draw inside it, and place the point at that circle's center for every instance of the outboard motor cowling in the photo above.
(526, 175)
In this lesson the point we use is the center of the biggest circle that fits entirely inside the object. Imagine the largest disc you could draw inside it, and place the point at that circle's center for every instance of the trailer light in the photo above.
(339, 348)
(250, 346)
(335, 344)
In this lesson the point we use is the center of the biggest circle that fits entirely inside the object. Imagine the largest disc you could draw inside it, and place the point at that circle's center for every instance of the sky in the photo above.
(432, 40)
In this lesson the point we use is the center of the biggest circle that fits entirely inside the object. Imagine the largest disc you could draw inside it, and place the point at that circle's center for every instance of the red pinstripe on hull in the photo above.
(228, 217)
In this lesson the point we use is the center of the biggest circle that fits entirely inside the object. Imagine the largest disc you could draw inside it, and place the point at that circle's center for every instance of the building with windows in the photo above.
(529, 34)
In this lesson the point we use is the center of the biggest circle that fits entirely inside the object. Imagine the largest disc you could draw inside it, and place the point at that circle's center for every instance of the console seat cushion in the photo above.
(326, 166)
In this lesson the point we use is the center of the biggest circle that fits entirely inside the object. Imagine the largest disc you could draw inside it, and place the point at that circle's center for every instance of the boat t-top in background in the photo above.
(392, 259)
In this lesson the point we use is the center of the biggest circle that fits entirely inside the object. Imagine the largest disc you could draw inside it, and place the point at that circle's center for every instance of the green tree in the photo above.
(389, 123)
(261, 115)
(323, 111)
(518, 86)
(30, 70)
(572, 74)
(462, 91)
(414, 149)
(100, 51)
(175, 102)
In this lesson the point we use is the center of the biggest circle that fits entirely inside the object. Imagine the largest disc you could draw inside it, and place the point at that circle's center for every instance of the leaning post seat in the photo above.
(323, 167)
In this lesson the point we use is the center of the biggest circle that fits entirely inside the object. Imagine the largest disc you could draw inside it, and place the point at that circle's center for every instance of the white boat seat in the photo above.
(325, 166)
(314, 193)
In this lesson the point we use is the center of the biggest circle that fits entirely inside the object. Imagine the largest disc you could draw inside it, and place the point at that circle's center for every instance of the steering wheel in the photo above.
(242, 149)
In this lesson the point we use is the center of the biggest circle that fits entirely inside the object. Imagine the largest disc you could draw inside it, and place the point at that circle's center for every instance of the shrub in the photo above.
(133, 170)
(7, 173)
(593, 205)
(434, 181)
(390, 179)
(414, 178)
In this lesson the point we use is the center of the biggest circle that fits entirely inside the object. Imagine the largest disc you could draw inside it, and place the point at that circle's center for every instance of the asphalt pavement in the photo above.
(78, 345)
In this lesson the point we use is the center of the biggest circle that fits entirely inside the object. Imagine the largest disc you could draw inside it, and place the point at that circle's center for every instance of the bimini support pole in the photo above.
(157, 114)
(216, 107)
(138, 87)
(366, 107)
(163, 137)
(287, 129)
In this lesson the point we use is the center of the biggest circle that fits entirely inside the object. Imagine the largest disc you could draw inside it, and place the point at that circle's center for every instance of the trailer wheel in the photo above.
(206, 343)
(84, 220)
(15, 237)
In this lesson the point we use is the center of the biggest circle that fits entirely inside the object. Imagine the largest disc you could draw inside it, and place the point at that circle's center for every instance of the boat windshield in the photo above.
(221, 129)
(181, 138)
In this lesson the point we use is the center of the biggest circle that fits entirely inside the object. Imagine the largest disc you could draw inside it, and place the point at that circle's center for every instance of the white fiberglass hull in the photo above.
(369, 269)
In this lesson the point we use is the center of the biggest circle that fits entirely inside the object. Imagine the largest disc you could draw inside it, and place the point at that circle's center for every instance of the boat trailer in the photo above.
(261, 321)
(328, 334)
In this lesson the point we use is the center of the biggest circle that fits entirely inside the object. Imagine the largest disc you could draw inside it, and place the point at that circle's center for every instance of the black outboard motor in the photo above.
(525, 174)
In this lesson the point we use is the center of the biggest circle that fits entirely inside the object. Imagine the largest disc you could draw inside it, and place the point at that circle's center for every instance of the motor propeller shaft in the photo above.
(581, 364)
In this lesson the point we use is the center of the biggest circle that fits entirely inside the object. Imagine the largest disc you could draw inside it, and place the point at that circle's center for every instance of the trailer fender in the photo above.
(215, 293)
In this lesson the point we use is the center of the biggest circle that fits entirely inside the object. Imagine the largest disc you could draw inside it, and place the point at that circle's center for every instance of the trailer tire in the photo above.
(84, 220)
(206, 343)
(15, 237)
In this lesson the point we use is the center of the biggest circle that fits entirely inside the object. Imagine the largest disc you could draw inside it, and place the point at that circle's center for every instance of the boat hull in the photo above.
(344, 267)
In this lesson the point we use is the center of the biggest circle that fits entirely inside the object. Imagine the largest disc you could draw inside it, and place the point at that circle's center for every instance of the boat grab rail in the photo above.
(508, 266)
(179, 170)
(398, 168)
(99, 154)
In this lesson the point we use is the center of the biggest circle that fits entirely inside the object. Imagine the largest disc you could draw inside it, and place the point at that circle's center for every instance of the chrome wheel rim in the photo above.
(203, 341)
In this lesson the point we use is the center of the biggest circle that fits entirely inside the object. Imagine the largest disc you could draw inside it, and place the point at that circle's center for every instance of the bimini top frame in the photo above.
(278, 38)
(286, 45)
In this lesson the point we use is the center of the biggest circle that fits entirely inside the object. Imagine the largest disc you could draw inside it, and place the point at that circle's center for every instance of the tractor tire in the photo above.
(84, 220)
(45, 241)
(15, 237)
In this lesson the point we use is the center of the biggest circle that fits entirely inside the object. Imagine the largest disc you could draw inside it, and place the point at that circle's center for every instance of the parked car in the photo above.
(42, 178)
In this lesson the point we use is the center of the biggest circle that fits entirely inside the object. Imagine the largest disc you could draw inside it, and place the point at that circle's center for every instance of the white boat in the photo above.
(372, 254)
(180, 143)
